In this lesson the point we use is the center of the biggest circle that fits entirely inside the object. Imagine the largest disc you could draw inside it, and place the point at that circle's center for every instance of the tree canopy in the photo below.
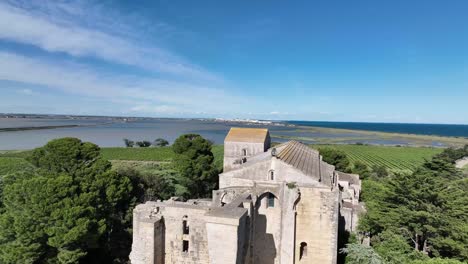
(335, 157)
(194, 161)
(65, 208)
(160, 142)
(422, 214)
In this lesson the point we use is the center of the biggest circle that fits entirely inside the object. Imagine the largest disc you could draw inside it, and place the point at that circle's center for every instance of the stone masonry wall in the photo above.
(317, 225)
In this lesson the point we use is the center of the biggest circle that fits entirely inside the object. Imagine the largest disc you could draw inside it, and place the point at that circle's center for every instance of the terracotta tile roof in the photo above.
(301, 157)
(251, 135)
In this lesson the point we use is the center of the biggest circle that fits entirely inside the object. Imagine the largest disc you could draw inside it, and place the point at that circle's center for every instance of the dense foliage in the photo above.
(68, 207)
(195, 163)
(160, 142)
(151, 181)
(129, 143)
(336, 157)
(413, 216)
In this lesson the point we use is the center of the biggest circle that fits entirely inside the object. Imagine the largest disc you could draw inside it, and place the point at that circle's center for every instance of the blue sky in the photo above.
(376, 61)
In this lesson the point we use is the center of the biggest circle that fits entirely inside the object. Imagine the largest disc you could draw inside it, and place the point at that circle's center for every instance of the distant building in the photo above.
(275, 205)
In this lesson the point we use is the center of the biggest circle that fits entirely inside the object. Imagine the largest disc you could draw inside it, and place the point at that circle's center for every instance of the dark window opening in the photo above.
(270, 200)
(303, 250)
(185, 246)
(244, 152)
(185, 227)
(272, 175)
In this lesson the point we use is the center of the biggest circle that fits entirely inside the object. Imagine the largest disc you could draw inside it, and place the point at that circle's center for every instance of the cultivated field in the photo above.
(397, 158)
(394, 158)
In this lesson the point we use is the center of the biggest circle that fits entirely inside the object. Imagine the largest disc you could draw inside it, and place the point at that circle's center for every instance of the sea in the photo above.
(110, 133)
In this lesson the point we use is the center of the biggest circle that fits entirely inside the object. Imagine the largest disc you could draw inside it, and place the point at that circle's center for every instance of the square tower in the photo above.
(242, 143)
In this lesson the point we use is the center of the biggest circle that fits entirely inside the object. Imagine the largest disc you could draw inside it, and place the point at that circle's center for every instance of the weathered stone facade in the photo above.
(276, 205)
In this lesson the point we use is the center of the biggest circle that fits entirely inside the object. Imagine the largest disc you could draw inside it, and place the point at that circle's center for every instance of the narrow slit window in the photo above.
(185, 227)
(270, 200)
(272, 175)
(185, 246)
(244, 152)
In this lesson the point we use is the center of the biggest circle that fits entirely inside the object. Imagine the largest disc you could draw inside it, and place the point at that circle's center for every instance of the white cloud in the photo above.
(145, 95)
(60, 34)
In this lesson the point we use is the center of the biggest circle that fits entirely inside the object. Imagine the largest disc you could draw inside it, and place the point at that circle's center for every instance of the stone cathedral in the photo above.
(275, 205)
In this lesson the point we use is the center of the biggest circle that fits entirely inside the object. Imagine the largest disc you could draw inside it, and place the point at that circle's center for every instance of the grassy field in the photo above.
(141, 154)
(150, 154)
(16, 159)
(399, 158)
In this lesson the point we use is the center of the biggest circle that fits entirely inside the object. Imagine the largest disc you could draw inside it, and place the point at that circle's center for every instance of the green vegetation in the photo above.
(195, 163)
(465, 170)
(143, 154)
(71, 207)
(342, 136)
(12, 165)
(64, 202)
(419, 217)
(393, 158)
(336, 158)
(361, 254)
(160, 142)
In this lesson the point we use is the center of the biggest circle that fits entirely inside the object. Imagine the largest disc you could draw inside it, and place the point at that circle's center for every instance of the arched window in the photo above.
(270, 200)
(271, 175)
(303, 250)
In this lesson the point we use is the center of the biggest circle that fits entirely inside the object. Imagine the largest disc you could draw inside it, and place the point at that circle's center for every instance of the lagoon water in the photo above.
(110, 134)
(107, 134)
(418, 129)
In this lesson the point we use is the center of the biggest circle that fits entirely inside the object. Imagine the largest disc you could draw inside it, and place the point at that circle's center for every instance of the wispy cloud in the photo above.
(61, 34)
(26, 91)
(144, 95)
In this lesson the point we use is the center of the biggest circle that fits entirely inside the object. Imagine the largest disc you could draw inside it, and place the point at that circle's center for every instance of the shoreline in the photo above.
(15, 129)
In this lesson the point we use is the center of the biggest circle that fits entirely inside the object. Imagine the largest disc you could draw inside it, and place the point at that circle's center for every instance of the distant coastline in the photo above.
(443, 130)
(12, 129)
(23, 131)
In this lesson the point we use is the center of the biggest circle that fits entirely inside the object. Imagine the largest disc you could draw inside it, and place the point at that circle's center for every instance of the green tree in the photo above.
(428, 208)
(194, 161)
(360, 254)
(71, 204)
(436, 261)
(337, 158)
(394, 248)
(128, 143)
(361, 169)
(160, 142)
(379, 171)
(143, 144)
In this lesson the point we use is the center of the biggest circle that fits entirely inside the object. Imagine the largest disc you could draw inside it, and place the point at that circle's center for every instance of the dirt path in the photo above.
(461, 162)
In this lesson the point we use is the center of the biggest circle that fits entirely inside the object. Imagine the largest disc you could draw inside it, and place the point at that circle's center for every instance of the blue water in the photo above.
(419, 129)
